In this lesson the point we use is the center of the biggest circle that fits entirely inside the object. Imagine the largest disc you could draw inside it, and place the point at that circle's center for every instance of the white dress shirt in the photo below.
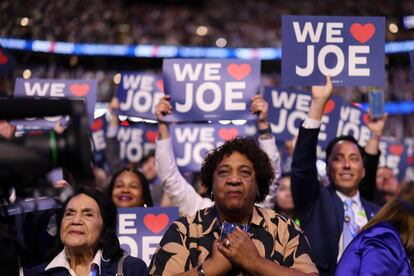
(62, 260)
(359, 214)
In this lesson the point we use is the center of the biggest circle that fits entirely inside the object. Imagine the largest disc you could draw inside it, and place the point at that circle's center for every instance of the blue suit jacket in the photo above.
(132, 267)
(375, 251)
(319, 209)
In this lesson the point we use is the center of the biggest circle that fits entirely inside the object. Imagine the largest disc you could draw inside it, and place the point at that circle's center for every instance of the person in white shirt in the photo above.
(181, 193)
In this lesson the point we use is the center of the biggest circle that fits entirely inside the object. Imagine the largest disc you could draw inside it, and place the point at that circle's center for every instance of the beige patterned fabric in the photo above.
(188, 242)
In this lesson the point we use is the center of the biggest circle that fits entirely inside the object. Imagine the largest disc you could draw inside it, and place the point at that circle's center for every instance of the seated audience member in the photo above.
(181, 193)
(146, 165)
(330, 216)
(387, 185)
(385, 245)
(283, 198)
(88, 241)
(130, 188)
(238, 175)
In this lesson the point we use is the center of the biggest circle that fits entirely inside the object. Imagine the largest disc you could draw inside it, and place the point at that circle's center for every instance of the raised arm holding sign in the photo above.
(321, 210)
(179, 190)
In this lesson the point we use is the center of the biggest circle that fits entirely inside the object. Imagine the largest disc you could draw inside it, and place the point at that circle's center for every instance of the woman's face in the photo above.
(82, 223)
(234, 183)
(283, 197)
(127, 191)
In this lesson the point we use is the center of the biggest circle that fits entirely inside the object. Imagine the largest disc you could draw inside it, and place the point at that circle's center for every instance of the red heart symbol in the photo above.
(97, 124)
(396, 149)
(239, 71)
(79, 90)
(3, 58)
(156, 223)
(365, 118)
(410, 160)
(160, 85)
(228, 133)
(330, 105)
(362, 33)
(151, 136)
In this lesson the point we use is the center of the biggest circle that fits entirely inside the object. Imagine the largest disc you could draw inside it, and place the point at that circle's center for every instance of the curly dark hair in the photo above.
(146, 193)
(108, 241)
(248, 147)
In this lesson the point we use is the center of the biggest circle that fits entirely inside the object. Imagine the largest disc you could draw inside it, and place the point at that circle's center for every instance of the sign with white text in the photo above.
(352, 121)
(211, 89)
(136, 140)
(138, 93)
(49, 88)
(191, 142)
(140, 230)
(288, 108)
(349, 49)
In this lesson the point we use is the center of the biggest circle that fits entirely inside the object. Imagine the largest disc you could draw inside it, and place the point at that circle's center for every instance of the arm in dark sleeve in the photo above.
(367, 187)
(305, 184)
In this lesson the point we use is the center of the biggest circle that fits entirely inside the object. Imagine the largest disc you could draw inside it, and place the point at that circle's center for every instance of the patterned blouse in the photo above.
(188, 242)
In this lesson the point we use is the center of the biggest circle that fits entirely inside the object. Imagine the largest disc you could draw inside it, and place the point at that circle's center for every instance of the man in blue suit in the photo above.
(331, 216)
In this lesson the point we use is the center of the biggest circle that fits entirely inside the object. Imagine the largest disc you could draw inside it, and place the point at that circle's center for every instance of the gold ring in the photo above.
(227, 244)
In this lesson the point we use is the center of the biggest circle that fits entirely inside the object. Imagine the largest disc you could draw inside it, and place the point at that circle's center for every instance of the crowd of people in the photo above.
(252, 24)
(341, 230)
(251, 211)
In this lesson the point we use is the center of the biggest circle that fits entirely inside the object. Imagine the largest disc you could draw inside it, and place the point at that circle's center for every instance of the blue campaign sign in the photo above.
(394, 155)
(98, 130)
(138, 93)
(288, 108)
(211, 89)
(191, 142)
(140, 230)
(136, 140)
(350, 49)
(352, 121)
(84, 90)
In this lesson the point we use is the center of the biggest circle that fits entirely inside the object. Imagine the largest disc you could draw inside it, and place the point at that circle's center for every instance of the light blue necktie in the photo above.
(350, 227)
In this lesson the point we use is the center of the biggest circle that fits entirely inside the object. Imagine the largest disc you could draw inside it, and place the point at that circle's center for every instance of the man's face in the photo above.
(346, 167)
(387, 183)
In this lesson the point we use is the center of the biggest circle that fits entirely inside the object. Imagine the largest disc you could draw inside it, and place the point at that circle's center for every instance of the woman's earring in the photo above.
(211, 196)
